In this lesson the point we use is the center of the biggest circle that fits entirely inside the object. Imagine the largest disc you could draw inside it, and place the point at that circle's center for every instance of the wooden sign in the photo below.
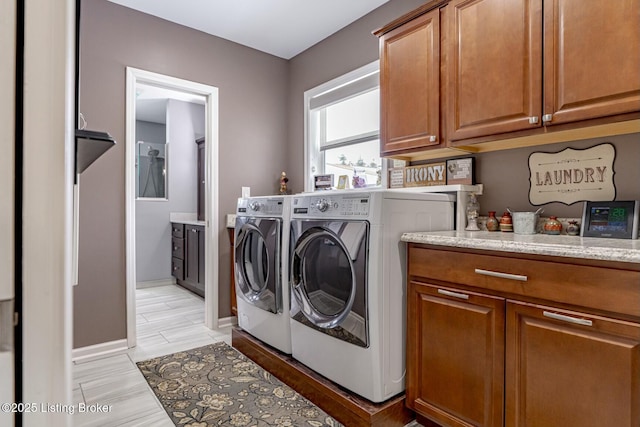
(572, 175)
(396, 177)
(425, 175)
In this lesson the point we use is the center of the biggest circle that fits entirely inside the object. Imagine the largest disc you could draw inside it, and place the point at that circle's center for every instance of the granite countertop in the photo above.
(185, 218)
(620, 250)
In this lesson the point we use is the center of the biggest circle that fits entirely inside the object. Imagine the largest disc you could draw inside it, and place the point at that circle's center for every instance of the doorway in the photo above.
(137, 80)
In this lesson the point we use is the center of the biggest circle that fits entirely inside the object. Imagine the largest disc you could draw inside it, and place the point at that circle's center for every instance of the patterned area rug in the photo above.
(216, 385)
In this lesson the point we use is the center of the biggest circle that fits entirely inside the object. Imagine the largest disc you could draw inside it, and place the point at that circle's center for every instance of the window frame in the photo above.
(313, 152)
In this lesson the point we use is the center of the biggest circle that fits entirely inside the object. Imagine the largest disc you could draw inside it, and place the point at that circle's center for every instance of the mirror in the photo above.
(151, 170)
(151, 148)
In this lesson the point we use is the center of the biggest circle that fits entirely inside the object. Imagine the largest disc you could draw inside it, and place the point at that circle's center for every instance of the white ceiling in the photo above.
(283, 28)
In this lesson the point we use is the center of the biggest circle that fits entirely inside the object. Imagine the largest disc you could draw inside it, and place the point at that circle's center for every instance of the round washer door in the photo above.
(328, 278)
(257, 255)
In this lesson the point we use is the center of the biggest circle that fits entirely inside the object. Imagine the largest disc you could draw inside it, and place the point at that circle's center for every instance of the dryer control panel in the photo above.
(324, 205)
(260, 206)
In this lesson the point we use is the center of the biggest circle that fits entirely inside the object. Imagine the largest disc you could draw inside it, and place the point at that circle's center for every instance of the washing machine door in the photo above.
(329, 278)
(257, 262)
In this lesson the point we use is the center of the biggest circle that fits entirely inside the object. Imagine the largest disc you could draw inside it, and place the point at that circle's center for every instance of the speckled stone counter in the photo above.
(187, 218)
(620, 250)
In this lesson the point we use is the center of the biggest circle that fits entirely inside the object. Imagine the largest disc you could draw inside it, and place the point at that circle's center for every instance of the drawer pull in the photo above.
(453, 294)
(501, 275)
(569, 319)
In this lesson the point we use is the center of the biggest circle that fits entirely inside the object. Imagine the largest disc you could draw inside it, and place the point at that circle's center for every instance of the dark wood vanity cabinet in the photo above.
(499, 339)
(187, 244)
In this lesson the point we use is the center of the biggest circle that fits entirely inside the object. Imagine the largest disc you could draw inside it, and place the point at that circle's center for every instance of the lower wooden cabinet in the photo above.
(188, 265)
(489, 350)
(568, 368)
(456, 341)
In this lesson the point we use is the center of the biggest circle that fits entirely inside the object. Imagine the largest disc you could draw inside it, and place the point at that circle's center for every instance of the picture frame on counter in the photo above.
(323, 182)
(343, 182)
(461, 171)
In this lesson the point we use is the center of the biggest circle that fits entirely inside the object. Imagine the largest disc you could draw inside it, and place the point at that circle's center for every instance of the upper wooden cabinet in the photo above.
(507, 69)
(494, 65)
(591, 59)
(410, 85)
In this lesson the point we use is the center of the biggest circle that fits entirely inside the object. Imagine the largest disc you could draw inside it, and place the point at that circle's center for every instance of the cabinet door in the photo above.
(570, 369)
(410, 85)
(494, 67)
(592, 60)
(201, 257)
(191, 261)
(455, 356)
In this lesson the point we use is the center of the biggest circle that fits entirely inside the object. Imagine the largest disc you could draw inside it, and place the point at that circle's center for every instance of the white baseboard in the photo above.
(154, 283)
(97, 351)
(227, 321)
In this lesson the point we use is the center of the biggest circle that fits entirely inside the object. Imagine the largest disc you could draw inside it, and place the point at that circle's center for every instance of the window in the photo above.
(342, 128)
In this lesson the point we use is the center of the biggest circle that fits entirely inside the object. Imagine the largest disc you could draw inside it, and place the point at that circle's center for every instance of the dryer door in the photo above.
(257, 262)
(329, 277)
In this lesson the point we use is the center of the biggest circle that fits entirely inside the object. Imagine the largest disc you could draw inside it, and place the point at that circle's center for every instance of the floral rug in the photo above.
(216, 385)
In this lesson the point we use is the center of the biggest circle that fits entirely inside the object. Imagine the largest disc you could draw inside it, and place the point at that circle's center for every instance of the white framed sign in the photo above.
(572, 175)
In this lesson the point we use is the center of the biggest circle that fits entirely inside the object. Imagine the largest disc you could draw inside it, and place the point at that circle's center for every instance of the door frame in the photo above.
(134, 77)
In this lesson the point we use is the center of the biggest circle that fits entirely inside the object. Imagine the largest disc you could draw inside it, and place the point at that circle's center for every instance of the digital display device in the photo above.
(610, 219)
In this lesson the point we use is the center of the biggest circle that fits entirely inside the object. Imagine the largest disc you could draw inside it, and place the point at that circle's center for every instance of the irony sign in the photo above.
(572, 175)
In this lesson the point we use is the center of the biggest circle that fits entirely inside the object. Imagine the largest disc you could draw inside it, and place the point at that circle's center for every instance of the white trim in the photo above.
(135, 76)
(7, 146)
(49, 130)
(155, 283)
(98, 351)
(226, 322)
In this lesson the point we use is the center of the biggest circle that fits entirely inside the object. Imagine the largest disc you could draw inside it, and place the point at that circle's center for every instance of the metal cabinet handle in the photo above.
(501, 275)
(432, 138)
(453, 294)
(547, 118)
(533, 120)
(565, 318)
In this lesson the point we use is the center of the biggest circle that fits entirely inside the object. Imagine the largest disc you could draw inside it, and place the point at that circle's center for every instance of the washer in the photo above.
(261, 259)
(348, 283)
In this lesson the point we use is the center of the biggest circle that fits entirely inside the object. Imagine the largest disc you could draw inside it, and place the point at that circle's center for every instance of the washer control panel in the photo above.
(260, 206)
(324, 205)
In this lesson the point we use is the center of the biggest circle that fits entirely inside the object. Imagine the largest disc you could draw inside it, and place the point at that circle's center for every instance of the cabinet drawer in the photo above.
(609, 289)
(177, 268)
(177, 230)
(177, 248)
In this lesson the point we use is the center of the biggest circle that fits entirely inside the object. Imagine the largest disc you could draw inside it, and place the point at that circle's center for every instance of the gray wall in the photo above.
(185, 124)
(252, 87)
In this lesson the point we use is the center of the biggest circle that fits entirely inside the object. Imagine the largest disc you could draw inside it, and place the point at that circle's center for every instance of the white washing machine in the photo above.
(348, 283)
(261, 274)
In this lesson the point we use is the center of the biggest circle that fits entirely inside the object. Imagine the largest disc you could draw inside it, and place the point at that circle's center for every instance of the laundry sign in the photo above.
(572, 175)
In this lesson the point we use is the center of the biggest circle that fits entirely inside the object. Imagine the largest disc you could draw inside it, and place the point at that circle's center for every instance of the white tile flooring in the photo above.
(169, 319)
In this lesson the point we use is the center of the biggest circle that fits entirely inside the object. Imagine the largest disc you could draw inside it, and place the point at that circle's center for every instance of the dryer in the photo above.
(348, 284)
(261, 274)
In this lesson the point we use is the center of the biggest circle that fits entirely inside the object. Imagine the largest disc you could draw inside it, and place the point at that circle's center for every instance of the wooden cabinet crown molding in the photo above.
(409, 16)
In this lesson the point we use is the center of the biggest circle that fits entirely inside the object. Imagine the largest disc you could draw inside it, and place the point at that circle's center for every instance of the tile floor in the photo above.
(169, 319)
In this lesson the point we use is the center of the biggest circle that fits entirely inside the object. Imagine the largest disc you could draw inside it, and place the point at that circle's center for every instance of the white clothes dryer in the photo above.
(348, 283)
(261, 273)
